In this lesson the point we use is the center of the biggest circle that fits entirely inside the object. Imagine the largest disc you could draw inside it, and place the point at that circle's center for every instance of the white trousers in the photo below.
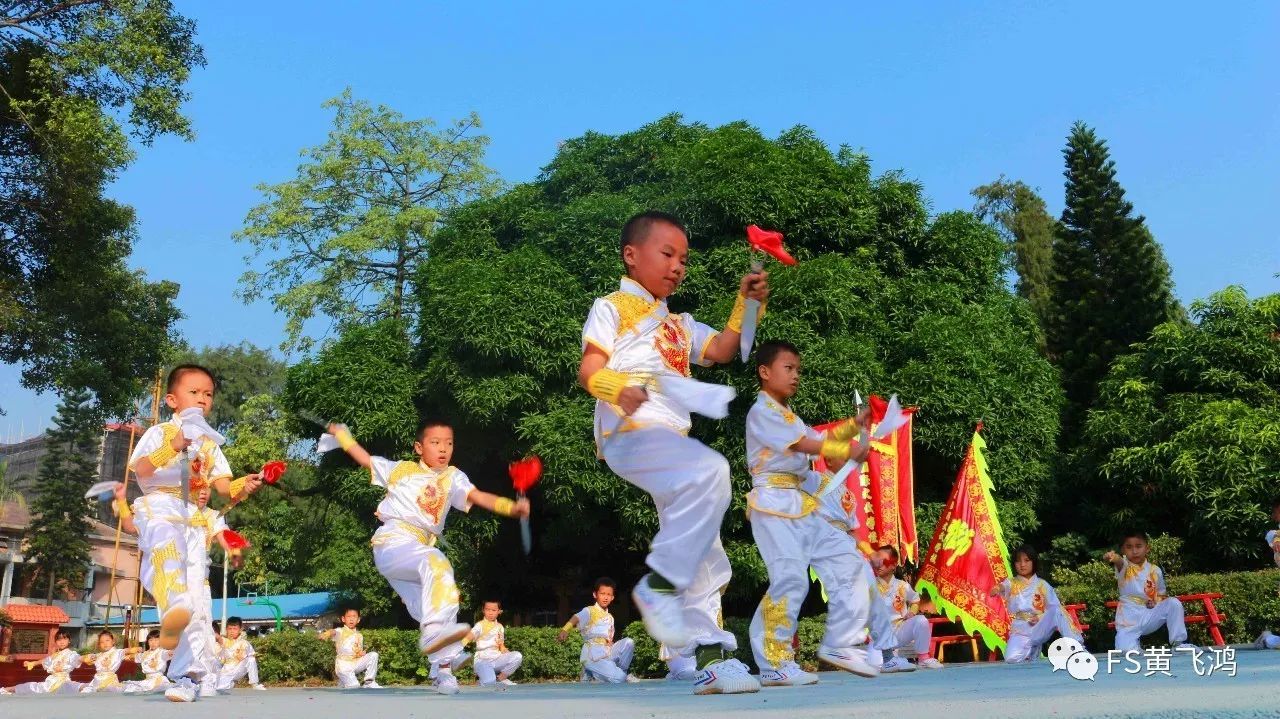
(689, 484)
(612, 665)
(107, 683)
(163, 542)
(150, 684)
(423, 578)
(914, 632)
(789, 547)
(1026, 641)
(233, 673)
(1134, 621)
(54, 684)
(196, 655)
(346, 671)
(505, 664)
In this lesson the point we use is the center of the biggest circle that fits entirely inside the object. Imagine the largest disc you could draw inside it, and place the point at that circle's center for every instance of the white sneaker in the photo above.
(444, 637)
(259, 687)
(371, 684)
(662, 612)
(183, 691)
(210, 690)
(897, 664)
(930, 663)
(4, 692)
(1185, 645)
(684, 675)
(632, 679)
(459, 661)
(446, 683)
(728, 676)
(1261, 641)
(788, 675)
(853, 659)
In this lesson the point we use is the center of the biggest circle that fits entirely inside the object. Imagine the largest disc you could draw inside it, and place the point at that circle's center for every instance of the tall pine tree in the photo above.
(59, 543)
(1111, 285)
(1021, 218)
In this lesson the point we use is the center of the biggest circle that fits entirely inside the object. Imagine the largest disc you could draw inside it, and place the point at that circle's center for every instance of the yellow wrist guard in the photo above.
(345, 440)
(739, 309)
(606, 384)
(568, 627)
(835, 450)
(121, 508)
(845, 430)
(162, 456)
(504, 506)
(237, 487)
(865, 547)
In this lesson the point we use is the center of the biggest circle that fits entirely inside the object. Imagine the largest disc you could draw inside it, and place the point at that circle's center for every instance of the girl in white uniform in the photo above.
(1034, 609)
(106, 662)
(153, 662)
(59, 665)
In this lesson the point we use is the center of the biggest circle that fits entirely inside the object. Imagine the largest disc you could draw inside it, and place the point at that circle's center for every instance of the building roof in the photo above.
(36, 614)
(252, 609)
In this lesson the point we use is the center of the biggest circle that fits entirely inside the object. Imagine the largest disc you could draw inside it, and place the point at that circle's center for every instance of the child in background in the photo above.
(350, 658)
(238, 658)
(152, 663)
(910, 626)
(602, 658)
(106, 662)
(1145, 604)
(494, 663)
(59, 666)
(1034, 609)
(1267, 640)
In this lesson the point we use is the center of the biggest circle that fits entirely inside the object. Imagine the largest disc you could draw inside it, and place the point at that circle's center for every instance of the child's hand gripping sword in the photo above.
(768, 242)
(524, 474)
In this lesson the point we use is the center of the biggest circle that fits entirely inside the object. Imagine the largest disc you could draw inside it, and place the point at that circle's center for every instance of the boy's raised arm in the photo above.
(350, 445)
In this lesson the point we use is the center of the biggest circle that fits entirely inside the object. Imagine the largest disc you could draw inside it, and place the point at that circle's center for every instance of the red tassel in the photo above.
(235, 540)
(525, 473)
(770, 242)
(273, 471)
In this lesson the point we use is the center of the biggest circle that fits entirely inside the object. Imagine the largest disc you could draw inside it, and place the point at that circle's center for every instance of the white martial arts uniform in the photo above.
(160, 514)
(490, 661)
(351, 658)
(59, 665)
(1028, 599)
(197, 654)
(1137, 585)
(413, 513)
(688, 481)
(238, 661)
(105, 666)
(152, 662)
(602, 658)
(909, 629)
(792, 536)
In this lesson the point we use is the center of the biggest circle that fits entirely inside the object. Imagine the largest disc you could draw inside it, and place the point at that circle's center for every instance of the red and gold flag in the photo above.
(882, 495)
(967, 557)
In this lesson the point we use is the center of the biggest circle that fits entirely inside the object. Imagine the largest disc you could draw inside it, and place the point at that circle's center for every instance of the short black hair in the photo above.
(604, 582)
(892, 550)
(153, 634)
(1275, 504)
(491, 600)
(430, 422)
(107, 633)
(234, 622)
(345, 610)
(767, 352)
(62, 634)
(176, 374)
(1031, 553)
(636, 229)
(1135, 533)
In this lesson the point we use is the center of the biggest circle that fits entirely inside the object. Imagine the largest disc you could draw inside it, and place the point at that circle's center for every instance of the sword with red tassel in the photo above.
(524, 474)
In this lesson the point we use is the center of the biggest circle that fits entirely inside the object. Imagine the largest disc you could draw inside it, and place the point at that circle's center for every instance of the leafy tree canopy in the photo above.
(885, 299)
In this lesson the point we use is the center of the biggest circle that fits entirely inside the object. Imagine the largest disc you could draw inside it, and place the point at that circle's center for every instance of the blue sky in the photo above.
(954, 94)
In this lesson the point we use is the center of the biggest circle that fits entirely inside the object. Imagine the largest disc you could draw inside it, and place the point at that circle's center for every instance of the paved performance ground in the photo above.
(957, 692)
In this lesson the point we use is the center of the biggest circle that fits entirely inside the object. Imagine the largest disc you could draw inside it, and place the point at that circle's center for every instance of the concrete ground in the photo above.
(956, 692)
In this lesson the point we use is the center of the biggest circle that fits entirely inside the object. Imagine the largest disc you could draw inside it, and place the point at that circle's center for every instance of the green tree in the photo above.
(1111, 284)
(244, 372)
(343, 237)
(884, 299)
(1019, 215)
(58, 541)
(76, 80)
(1185, 436)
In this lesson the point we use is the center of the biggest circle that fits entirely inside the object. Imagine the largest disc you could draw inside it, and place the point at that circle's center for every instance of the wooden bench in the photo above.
(1073, 611)
(938, 643)
(1212, 618)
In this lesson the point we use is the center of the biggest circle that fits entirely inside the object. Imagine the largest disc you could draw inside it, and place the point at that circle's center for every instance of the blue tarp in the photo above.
(292, 606)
